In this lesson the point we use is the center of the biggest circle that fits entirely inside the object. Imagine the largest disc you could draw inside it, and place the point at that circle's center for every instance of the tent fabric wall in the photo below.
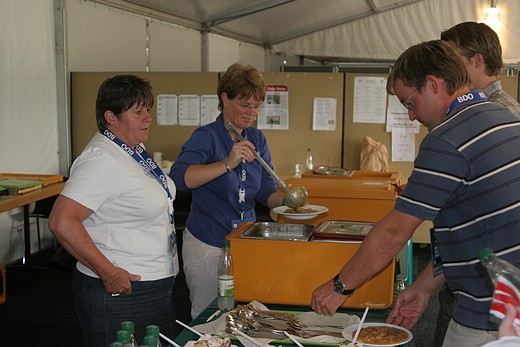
(384, 36)
(28, 122)
(171, 47)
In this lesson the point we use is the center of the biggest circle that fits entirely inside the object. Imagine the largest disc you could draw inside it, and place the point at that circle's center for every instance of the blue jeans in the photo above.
(100, 314)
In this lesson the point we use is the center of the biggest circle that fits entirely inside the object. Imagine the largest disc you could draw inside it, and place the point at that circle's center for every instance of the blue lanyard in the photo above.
(242, 176)
(477, 95)
(142, 157)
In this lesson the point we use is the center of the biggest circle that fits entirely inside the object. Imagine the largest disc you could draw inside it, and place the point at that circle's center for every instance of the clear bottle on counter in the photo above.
(129, 326)
(309, 164)
(226, 279)
(153, 331)
(298, 170)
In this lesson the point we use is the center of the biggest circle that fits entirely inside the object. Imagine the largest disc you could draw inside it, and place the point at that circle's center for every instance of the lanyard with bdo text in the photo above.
(141, 156)
(477, 95)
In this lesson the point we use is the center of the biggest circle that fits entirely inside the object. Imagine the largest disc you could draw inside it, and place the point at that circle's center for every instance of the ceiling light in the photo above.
(492, 14)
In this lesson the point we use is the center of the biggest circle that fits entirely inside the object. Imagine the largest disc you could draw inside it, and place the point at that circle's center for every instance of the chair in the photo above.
(42, 209)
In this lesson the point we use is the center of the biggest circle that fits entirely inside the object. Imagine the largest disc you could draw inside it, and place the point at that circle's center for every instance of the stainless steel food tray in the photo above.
(348, 230)
(332, 171)
(278, 231)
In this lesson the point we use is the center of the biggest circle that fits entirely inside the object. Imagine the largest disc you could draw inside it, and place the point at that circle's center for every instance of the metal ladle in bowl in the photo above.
(294, 197)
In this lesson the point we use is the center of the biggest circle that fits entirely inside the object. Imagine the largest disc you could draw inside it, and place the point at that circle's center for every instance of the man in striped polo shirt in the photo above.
(465, 179)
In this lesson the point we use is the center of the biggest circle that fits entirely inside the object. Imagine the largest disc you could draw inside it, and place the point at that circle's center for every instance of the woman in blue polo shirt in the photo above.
(225, 179)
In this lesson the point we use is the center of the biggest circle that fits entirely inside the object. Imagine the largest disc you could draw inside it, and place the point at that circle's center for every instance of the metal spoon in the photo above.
(286, 322)
(294, 197)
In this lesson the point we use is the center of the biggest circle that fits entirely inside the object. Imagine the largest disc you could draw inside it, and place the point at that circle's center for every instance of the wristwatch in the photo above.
(340, 287)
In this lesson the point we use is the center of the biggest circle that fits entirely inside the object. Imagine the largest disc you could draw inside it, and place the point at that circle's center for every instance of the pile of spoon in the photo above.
(274, 325)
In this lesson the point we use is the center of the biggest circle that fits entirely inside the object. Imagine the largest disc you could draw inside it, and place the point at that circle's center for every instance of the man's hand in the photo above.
(507, 326)
(409, 306)
(325, 300)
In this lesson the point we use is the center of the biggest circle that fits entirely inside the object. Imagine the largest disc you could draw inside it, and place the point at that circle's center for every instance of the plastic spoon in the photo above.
(360, 326)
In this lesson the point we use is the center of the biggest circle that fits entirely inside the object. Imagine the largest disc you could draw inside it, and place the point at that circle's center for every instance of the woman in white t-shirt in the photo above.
(115, 216)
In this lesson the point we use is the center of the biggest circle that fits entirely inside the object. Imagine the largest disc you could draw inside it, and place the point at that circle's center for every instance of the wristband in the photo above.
(227, 165)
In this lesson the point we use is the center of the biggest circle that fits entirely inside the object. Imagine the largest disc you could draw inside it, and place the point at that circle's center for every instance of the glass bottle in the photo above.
(309, 164)
(298, 170)
(153, 331)
(129, 326)
(226, 279)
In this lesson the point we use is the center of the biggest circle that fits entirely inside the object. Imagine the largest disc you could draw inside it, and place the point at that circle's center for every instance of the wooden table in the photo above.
(10, 202)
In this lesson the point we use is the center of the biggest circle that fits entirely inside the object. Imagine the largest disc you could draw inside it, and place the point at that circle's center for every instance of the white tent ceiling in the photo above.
(330, 30)
(267, 22)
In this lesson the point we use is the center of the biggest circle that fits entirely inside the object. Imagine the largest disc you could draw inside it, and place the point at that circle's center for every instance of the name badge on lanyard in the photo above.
(436, 255)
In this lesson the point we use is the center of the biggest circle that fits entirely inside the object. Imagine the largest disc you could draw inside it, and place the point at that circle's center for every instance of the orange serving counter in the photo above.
(275, 271)
(364, 196)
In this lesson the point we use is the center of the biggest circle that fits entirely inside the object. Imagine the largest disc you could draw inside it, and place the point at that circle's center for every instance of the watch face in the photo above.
(339, 286)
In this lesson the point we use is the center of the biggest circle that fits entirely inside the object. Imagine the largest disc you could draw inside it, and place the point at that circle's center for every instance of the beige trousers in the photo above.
(458, 335)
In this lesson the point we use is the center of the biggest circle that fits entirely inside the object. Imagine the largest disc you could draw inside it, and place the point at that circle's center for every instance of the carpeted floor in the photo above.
(39, 310)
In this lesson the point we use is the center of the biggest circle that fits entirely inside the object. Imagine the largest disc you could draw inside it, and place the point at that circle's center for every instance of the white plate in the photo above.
(301, 216)
(347, 333)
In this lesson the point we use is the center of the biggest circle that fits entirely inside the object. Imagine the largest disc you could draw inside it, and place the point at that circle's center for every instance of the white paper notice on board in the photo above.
(324, 114)
(189, 110)
(369, 100)
(167, 109)
(397, 116)
(275, 113)
(403, 144)
(208, 109)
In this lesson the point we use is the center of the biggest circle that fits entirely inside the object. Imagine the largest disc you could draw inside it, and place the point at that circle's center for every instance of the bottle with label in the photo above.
(226, 279)
(506, 278)
(309, 164)
(129, 326)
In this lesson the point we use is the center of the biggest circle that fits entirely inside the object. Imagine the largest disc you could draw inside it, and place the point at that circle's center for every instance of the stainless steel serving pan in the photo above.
(278, 231)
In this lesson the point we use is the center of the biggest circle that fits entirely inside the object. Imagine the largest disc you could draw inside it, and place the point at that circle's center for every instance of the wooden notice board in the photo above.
(288, 147)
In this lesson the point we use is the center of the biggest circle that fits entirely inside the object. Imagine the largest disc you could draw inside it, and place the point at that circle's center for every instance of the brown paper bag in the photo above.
(374, 155)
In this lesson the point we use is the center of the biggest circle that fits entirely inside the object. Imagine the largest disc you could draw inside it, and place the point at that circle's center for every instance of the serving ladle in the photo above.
(294, 197)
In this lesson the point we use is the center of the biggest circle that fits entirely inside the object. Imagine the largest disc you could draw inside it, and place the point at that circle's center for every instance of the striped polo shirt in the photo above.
(466, 179)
